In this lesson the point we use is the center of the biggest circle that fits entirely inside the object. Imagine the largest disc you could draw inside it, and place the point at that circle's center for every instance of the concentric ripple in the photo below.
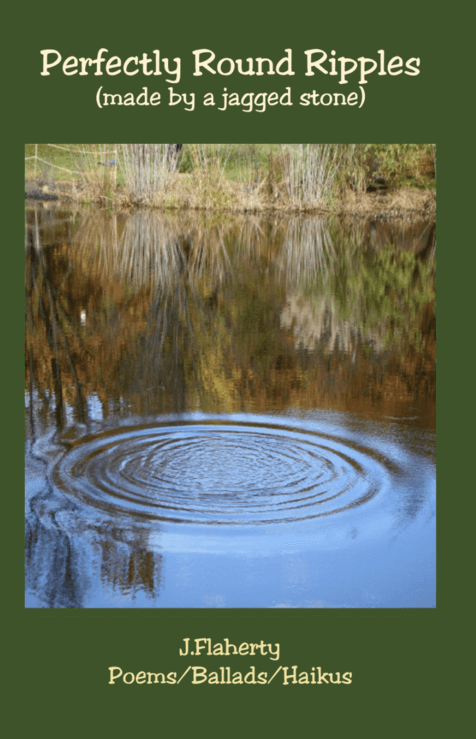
(216, 472)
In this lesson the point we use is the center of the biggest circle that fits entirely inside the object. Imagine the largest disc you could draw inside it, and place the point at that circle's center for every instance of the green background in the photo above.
(408, 666)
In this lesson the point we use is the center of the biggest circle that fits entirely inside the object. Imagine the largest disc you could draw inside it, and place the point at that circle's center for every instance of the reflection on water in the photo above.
(235, 414)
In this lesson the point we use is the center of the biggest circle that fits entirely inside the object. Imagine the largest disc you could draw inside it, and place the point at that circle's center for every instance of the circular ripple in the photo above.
(216, 472)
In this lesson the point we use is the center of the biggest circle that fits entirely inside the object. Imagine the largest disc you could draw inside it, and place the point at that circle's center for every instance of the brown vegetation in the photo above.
(210, 191)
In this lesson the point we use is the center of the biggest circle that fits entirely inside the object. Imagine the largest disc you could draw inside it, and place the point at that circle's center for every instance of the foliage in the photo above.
(391, 165)
(384, 293)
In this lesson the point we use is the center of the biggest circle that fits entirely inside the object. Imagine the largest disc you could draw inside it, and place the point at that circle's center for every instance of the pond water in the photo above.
(229, 413)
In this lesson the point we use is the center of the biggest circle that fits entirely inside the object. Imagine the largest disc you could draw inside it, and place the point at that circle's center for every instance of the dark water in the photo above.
(229, 413)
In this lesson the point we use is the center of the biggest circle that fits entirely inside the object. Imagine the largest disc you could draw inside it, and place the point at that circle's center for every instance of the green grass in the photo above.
(247, 160)
(237, 160)
(85, 158)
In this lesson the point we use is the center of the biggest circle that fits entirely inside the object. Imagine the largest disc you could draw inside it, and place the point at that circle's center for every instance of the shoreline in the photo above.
(190, 194)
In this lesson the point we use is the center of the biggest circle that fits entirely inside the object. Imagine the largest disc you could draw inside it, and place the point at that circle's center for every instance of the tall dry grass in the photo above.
(311, 171)
(147, 168)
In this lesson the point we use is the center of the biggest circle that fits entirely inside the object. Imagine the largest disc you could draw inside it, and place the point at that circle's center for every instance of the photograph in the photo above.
(230, 376)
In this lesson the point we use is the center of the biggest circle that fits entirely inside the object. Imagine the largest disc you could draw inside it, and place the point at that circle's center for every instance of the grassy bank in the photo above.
(350, 178)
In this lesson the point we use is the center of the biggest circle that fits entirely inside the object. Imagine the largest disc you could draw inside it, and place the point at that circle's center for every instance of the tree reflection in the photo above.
(51, 341)
(154, 315)
(126, 562)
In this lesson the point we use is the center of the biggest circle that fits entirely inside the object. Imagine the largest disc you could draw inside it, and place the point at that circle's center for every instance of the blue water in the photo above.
(322, 510)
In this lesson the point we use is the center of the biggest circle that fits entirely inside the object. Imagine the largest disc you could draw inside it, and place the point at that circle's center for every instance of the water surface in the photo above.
(229, 413)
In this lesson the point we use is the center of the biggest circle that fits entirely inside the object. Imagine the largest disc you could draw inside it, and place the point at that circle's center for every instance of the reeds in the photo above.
(245, 177)
(147, 168)
(312, 169)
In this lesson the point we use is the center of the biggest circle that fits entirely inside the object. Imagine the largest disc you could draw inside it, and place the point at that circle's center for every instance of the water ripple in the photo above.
(221, 472)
